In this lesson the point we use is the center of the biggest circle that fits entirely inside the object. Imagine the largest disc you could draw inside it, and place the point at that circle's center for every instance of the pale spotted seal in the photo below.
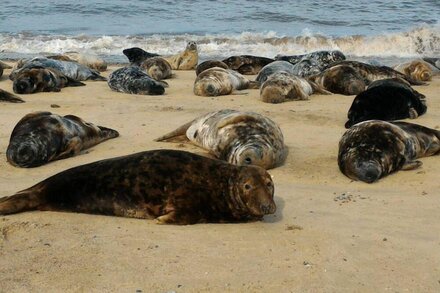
(137, 55)
(157, 67)
(186, 60)
(241, 138)
(174, 187)
(387, 99)
(8, 97)
(418, 70)
(88, 59)
(283, 86)
(3, 66)
(73, 70)
(41, 137)
(209, 64)
(218, 81)
(133, 80)
(273, 67)
(39, 79)
(321, 58)
(247, 64)
(373, 149)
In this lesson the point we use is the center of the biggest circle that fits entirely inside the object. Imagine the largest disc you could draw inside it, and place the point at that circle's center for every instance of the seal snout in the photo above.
(368, 172)
(269, 208)
(22, 86)
(23, 155)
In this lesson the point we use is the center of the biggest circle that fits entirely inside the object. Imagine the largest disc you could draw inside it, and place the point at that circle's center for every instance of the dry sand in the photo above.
(329, 234)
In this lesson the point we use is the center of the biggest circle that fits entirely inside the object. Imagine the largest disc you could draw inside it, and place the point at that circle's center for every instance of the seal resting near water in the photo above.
(387, 99)
(283, 86)
(418, 70)
(137, 55)
(209, 64)
(186, 60)
(8, 97)
(157, 67)
(133, 80)
(218, 81)
(274, 67)
(41, 137)
(174, 187)
(433, 61)
(87, 59)
(3, 66)
(40, 79)
(240, 138)
(247, 64)
(373, 149)
(74, 70)
(321, 58)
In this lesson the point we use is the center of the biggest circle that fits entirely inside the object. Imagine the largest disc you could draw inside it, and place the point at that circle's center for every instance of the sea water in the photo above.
(384, 31)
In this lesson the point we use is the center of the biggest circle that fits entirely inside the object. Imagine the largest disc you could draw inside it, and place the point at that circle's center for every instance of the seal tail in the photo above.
(8, 97)
(108, 133)
(177, 135)
(74, 82)
(26, 200)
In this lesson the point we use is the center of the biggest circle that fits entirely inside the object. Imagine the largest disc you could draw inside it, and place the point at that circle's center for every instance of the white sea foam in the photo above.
(421, 41)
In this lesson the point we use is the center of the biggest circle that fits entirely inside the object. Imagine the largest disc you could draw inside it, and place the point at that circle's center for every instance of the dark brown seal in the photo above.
(209, 64)
(373, 149)
(175, 187)
(247, 64)
(41, 137)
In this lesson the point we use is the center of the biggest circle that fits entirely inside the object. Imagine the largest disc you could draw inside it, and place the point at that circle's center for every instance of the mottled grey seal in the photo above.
(322, 58)
(87, 59)
(247, 64)
(133, 80)
(387, 99)
(41, 137)
(186, 60)
(283, 86)
(373, 149)
(209, 64)
(174, 187)
(157, 67)
(241, 138)
(218, 81)
(8, 97)
(273, 67)
(418, 70)
(73, 70)
(137, 55)
(40, 79)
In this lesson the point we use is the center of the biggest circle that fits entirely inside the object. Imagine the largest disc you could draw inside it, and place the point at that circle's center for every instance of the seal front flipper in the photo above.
(317, 89)
(413, 113)
(8, 97)
(412, 165)
(73, 82)
(177, 135)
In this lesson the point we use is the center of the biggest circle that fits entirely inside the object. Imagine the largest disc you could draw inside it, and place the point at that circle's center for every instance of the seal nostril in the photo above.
(248, 160)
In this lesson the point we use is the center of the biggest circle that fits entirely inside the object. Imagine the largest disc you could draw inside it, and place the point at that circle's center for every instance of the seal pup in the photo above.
(209, 64)
(173, 187)
(8, 97)
(39, 79)
(240, 138)
(133, 80)
(218, 81)
(3, 66)
(418, 70)
(74, 70)
(157, 67)
(390, 99)
(371, 73)
(87, 59)
(373, 149)
(247, 64)
(41, 137)
(137, 55)
(283, 86)
(322, 58)
(186, 60)
(273, 67)
(340, 79)
(433, 61)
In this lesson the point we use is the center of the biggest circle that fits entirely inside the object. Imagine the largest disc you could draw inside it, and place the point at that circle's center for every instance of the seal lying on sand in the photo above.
(175, 187)
(3, 66)
(282, 86)
(8, 97)
(273, 67)
(322, 58)
(373, 149)
(133, 80)
(247, 64)
(137, 55)
(209, 64)
(157, 67)
(418, 70)
(185, 60)
(218, 81)
(39, 79)
(87, 59)
(73, 70)
(387, 99)
(41, 137)
(306, 68)
(241, 138)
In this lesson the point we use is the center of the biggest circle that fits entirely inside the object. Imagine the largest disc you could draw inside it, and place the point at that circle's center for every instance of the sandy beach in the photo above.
(329, 234)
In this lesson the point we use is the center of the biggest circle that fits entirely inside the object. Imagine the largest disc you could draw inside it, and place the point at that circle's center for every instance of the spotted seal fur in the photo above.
(133, 80)
(247, 64)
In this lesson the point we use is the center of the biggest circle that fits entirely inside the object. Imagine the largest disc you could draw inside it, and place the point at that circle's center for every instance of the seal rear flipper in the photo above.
(177, 135)
(163, 83)
(317, 89)
(8, 97)
(26, 200)
(73, 82)
(253, 84)
(412, 165)
(97, 77)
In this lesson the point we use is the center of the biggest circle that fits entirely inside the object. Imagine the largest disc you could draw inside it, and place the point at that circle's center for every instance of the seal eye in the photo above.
(247, 186)
(269, 184)
(248, 160)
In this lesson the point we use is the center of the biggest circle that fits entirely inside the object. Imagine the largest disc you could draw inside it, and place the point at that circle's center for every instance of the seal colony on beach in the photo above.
(173, 187)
